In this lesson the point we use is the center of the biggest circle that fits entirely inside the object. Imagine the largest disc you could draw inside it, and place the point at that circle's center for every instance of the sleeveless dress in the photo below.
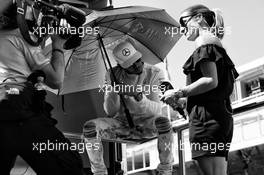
(210, 113)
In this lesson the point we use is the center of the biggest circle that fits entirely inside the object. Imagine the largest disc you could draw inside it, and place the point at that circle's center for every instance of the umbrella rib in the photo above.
(87, 44)
(104, 36)
(136, 18)
(99, 21)
(68, 62)
(120, 27)
(94, 40)
(108, 27)
(117, 35)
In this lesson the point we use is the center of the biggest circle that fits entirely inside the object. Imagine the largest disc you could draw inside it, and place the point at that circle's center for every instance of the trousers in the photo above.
(96, 130)
(24, 138)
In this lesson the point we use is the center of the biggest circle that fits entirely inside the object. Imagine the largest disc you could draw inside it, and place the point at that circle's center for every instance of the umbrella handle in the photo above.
(126, 110)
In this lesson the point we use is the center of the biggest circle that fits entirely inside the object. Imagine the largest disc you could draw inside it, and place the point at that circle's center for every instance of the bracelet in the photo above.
(54, 50)
(184, 92)
(180, 93)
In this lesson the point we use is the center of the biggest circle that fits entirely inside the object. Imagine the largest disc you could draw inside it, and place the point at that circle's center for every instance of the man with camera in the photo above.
(25, 120)
(139, 84)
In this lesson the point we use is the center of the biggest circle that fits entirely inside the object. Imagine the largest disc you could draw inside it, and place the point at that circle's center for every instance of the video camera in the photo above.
(32, 14)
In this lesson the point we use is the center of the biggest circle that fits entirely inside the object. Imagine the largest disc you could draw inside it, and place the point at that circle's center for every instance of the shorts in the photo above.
(211, 129)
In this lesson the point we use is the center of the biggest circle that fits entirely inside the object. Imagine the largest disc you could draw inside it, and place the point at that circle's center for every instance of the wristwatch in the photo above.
(138, 96)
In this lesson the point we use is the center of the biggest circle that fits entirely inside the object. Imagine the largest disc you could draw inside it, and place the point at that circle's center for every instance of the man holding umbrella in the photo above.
(132, 77)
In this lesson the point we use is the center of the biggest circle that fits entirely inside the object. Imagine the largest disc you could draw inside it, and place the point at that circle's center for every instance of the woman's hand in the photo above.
(169, 97)
(180, 103)
(172, 96)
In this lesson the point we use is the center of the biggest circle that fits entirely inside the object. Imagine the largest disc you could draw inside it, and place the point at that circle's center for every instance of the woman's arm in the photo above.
(208, 82)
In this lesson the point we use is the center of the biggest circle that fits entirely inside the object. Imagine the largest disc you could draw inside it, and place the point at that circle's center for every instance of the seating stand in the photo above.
(115, 153)
(115, 158)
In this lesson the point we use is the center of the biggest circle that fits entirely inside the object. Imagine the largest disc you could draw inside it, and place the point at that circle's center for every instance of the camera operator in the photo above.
(22, 127)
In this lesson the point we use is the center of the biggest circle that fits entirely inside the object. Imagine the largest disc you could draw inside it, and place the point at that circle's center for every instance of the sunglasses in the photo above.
(184, 20)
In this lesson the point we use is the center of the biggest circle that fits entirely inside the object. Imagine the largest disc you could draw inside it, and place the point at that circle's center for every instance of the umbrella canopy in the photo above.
(147, 28)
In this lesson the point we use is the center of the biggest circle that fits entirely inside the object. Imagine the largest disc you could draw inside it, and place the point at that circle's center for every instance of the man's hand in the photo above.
(57, 40)
(129, 93)
(132, 91)
(40, 85)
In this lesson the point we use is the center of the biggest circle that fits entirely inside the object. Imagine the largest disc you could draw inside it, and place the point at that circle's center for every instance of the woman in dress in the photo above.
(210, 78)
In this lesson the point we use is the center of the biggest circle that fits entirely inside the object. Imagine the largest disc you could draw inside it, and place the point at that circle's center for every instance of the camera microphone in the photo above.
(166, 85)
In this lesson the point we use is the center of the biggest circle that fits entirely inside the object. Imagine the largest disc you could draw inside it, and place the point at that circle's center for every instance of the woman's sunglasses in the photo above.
(184, 20)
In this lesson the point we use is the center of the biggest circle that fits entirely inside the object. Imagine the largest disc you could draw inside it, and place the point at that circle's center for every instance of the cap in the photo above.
(125, 54)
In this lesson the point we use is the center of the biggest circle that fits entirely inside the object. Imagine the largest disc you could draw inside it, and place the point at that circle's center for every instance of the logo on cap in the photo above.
(126, 52)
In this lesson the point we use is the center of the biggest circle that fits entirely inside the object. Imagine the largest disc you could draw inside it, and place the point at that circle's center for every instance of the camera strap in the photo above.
(22, 23)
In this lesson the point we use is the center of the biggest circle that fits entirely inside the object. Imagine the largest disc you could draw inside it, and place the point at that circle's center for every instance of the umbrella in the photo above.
(146, 27)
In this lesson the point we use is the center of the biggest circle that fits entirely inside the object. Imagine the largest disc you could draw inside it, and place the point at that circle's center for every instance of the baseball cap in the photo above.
(126, 54)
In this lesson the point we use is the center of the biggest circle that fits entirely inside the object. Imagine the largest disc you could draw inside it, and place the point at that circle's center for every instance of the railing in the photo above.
(179, 130)
(253, 99)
